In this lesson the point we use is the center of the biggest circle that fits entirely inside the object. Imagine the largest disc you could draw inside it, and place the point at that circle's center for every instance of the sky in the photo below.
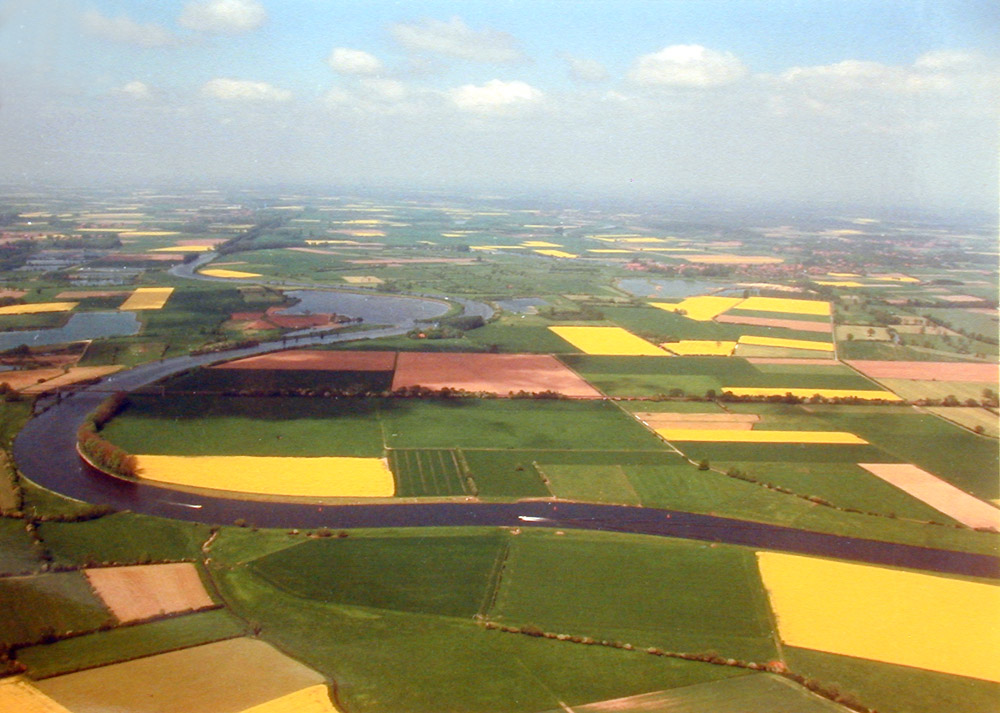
(880, 102)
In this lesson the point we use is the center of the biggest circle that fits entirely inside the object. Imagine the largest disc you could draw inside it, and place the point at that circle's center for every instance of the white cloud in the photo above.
(347, 61)
(687, 66)
(849, 75)
(495, 97)
(226, 17)
(244, 90)
(135, 90)
(454, 38)
(126, 30)
(586, 70)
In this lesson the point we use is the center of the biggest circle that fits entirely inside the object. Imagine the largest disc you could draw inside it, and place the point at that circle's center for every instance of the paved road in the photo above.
(45, 453)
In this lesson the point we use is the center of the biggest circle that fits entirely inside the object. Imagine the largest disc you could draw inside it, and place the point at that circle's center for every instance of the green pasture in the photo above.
(443, 575)
(18, 552)
(41, 320)
(915, 389)
(122, 538)
(129, 642)
(899, 689)
(970, 322)
(48, 604)
(427, 472)
(846, 485)
(512, 423)
(673, 594)
(209, 425)
(755, 693)
(962, 458)
(590, 483)
(504, 474)
(479, 669)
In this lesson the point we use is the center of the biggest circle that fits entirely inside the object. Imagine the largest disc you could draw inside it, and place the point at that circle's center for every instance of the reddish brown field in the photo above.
(317, 360)
(15, 294)
(800, 325)
(144, 591)
(493, 373)
(927, 370)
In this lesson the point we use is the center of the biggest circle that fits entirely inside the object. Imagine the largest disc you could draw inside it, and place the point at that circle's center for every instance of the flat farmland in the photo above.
(970, 418)
(206, 425)
(512, 423)
(892, 687)
(590, 483)
(315, 360)
(144, 591)
(59, 603)
(17, 551)
(185, 681)
(491, 373)
(754, 693)
(680, 596)
(424, 472)
(480, 669)
(445, 575)
(945, 626)
(123, 538)
(916, 389)
(928, 370)
(129, 642)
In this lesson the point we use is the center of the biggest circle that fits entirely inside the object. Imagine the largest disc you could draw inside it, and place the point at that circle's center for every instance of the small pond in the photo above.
(373, 309)
(647, 287)
(81, 326)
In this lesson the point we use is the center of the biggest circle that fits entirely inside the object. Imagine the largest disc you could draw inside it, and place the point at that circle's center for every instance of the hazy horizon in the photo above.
(870, 104)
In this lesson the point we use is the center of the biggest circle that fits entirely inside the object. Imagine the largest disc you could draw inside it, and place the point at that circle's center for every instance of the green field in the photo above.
(122, 538)
(427, 472)
(590, 483)
(676, 595)
(448, 576)
(899, 689)
(18, 553)
(370, 654)
(48, 604)
(129, 642)
(757, 693)
(205, 425)
(971, 322)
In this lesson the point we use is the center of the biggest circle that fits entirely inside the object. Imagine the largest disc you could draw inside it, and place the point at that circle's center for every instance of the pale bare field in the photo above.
(144, 591)
(229, 676)
(970, 418)
(940, 495)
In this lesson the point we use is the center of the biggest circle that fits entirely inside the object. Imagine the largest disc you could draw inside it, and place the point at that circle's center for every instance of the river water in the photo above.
(80, 327)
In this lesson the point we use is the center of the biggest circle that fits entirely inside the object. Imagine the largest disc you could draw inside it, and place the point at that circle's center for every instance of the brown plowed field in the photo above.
(144, 591)
(928, 370)
(493, 373)
(317, 361)
(800, 325)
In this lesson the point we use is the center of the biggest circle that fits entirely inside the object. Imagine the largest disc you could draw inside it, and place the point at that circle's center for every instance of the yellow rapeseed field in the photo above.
(363, 279)
(540, 244)
(872, 394)
(700, 347)
(703, 309)
(607, 341)
(921, 620)
(273, 475)
(742, 436)
(147, 298)
(787, 343)
(185, 249)
(608, 250)
(895, 278)
(17, 694)
(38, 307)
(843, 274)
(216, 272)
(555, 253)
(314, 699)
(785, 304)
(839, 283)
